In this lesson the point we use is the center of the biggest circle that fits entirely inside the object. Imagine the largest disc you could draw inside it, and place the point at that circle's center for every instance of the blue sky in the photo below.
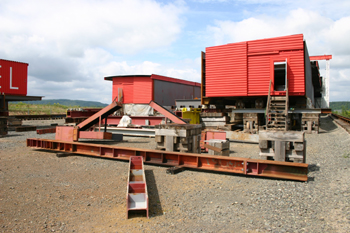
(71, 45)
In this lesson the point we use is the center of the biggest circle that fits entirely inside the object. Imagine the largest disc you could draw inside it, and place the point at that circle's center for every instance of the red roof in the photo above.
(158, 77)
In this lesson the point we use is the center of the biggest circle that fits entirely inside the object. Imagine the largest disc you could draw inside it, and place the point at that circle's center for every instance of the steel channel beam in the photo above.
(297, 110)
(130, 131)
(166, 113)
(244, 166)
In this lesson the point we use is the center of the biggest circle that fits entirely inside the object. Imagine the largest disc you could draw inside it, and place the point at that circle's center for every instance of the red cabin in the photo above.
(141, 89)
(242, 71)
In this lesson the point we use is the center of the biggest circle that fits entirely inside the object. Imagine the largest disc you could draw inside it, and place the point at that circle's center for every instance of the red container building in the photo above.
(13, 77)
(141, 89)
(244, 69)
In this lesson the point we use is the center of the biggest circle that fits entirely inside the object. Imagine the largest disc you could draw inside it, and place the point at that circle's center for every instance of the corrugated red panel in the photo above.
(127, 84)
(142, 90)
(260, 71)
(293, 42)
(226, 70)
(13, 77)
(246, 68)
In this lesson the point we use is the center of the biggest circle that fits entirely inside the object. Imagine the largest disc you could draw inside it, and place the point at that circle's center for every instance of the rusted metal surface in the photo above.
(69, 133)
(47, 130)
(342, 121)
(103, 113)
(82, 112)
(13, 76)
(136, 195)
(166, 113)
(25, 128)
(244, 166)
(39, 117)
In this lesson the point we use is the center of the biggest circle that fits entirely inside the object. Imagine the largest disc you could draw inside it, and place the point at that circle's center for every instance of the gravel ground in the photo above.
(40, 192)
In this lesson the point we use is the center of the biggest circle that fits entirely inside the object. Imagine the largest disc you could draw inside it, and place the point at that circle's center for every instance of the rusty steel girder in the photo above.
(244, 166)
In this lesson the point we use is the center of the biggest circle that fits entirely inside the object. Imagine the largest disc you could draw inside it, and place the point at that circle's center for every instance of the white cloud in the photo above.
(71, 45)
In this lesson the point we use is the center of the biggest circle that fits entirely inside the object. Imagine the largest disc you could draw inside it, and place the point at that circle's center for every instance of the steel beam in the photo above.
(46, 130)
(136, 195)
(166, 113)
(244, 166)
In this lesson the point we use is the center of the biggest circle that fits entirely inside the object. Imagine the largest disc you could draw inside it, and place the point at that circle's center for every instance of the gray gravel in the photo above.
(41, 192)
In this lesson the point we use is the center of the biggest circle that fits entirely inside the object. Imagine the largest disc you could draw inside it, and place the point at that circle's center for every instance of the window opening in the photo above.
(280, 76)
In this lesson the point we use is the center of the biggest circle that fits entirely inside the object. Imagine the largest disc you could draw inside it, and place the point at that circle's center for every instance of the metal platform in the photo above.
(243, 166)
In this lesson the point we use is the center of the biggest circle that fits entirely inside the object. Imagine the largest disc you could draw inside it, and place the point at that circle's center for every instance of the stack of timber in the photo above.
(178, 137)
(310, 122)
(218, 147)
(286, 146)
(251, 122)
(3, 126)
(214, 120)
(13, 122)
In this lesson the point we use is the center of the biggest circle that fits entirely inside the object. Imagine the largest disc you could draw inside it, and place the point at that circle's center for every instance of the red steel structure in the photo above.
(244, 166)
(141, 89)
(136, 194)
(13, 77)
(245, 69)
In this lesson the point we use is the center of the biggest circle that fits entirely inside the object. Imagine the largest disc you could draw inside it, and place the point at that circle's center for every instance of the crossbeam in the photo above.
(243, 166)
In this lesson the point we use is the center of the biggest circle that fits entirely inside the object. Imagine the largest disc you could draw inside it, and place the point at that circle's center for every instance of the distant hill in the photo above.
(79, 103)
(339, 105)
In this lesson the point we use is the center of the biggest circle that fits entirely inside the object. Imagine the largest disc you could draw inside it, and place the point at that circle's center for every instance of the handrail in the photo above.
(287, 99)
(268, 99)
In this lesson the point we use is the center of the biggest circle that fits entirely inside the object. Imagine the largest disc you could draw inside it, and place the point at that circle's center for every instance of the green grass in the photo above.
(344, 112)
(21, 108)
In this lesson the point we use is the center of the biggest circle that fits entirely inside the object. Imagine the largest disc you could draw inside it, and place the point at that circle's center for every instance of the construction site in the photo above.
(254, 147)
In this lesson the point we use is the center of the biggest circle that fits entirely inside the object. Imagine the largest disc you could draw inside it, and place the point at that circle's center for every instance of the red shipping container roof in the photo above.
(158, 77)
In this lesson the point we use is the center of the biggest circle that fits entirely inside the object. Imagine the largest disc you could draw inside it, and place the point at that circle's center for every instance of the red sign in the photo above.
(13, 77)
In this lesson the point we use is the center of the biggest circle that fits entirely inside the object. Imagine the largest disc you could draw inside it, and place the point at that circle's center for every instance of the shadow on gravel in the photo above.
(12, 135)
(327, 124)
(314, 168)
(155, 207)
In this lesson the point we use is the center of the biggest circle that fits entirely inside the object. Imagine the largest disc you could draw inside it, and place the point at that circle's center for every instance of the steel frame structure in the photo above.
(243, 166)
(136, 194)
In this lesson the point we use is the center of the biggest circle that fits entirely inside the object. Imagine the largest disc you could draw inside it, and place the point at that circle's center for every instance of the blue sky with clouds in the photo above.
(71, 45)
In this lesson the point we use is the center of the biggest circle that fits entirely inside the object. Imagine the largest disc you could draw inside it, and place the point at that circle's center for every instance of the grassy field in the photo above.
(37, 109)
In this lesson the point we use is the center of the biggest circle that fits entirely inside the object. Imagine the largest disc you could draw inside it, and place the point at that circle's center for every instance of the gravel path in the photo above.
(40, 192)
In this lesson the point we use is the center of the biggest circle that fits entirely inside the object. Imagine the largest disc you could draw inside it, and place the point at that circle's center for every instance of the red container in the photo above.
(141, 89)
(246, 68)
(13, 77)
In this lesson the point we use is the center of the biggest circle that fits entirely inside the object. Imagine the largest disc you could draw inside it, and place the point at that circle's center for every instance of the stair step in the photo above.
(278, 97)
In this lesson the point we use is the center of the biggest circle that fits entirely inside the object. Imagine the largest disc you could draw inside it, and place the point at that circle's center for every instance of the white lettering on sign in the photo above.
(11, 87)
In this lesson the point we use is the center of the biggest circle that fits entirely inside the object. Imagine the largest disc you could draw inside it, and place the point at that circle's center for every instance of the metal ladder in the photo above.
(277, 111)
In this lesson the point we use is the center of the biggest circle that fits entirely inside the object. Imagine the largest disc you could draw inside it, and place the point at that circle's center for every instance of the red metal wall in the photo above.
(13, 77)
(226, 70)
(137, 90)
(142, 90)
(246, 68)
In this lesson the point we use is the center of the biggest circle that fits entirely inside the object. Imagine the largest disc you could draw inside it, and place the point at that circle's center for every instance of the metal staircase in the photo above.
(277, 111)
